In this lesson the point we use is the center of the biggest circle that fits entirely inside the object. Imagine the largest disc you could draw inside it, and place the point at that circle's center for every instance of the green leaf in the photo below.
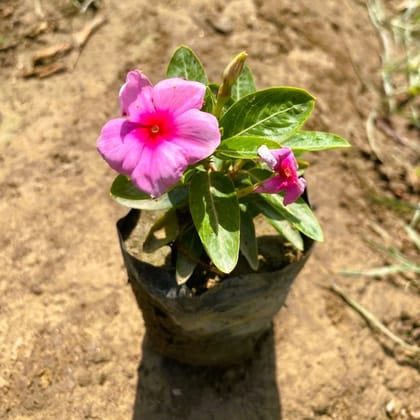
(280, 224)
(209, 101)
(273, 113)
(184, 63)
(248, 243)
(126, 194)
(303, 141)
(299, 214)
(244, 84)
(122, 187)
(163, 231)
(243, 147)
(189, 252)
(291, 234)
(260, 174)
(215, 211)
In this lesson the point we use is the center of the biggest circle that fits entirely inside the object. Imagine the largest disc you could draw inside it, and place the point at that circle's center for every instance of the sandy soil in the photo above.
(71, 335)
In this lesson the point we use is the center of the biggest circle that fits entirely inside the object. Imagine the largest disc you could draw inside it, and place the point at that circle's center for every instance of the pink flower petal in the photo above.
(178, 95)
(109, 143)
(197, 134)
(273, 157)
(288, 165)
(294, 191)
(272, 185)
(159, 168)
(267, 156)
(119, 145)
(135, 82)
(142, 105)
(283, 153)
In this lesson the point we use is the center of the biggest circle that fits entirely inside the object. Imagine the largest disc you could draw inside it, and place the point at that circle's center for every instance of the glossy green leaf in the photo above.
(302, 141)
(184, 63)
(291, 234)
(244, 85)
(189, 251)
(248, 243)
(243, 147)
(126, 194)
(164, 231)
(282, 226)
(299, 214)
(273, 113)
(122, 187)
(260, 174)
(215, 211)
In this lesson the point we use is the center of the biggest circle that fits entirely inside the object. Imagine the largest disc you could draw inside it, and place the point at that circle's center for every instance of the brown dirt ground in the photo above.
(71, 336)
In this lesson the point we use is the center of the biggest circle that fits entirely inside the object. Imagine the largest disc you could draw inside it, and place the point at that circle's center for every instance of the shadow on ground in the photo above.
(168, 390)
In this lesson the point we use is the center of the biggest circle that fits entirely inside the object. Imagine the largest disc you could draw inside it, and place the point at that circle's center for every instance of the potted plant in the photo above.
(211, 162)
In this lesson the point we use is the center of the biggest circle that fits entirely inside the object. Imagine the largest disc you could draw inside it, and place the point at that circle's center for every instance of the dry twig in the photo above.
(44, 62)
(44, 71)
(81, 37)
(51, 53)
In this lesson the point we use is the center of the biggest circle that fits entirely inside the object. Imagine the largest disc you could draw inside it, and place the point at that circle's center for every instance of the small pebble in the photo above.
(415, 414)
(176, 392)
(223, 25)
(390, 407)
(102, 378)
(84, 379)
(36, 289)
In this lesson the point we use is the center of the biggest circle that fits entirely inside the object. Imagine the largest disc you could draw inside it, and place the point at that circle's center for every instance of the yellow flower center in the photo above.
(287, 172)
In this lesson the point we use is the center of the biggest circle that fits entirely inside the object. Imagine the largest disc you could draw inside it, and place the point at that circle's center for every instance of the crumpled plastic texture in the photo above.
(223, 325)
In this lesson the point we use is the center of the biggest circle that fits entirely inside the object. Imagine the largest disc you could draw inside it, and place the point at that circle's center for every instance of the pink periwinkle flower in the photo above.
(283, 163)
(161, 132)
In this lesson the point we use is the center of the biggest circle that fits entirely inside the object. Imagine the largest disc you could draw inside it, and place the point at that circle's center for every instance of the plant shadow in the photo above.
(168, 390)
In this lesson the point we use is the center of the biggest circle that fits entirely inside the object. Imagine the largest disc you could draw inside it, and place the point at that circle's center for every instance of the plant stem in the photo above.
(245, 191)
(220, 103)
